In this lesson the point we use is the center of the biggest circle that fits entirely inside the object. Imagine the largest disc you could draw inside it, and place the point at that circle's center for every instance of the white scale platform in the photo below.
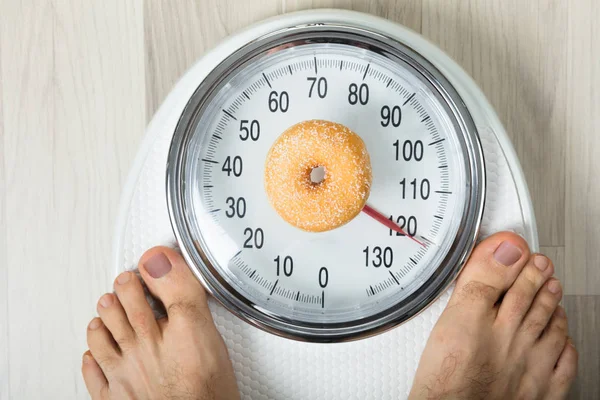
(270, 367)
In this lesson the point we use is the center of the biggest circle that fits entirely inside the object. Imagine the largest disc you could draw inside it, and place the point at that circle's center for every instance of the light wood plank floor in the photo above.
(79, 81)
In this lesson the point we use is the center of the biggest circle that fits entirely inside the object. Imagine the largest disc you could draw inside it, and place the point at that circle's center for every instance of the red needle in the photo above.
(387, 222)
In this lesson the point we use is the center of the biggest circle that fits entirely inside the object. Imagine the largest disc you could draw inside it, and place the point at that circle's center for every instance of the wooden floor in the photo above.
(79, 80)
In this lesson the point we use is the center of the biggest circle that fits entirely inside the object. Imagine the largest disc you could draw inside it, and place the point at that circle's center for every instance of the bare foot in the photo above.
(133, 355)
(503, 334)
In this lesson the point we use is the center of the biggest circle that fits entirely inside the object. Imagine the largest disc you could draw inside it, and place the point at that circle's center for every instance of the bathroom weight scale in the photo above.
(343, 313)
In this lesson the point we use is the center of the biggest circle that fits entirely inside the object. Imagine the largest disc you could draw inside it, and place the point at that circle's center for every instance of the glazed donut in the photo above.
(318, 204)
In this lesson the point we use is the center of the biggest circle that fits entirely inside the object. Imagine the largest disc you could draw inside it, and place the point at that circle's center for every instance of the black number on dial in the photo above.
(249, 130)
(358, 94)
(279, 102)
(323, 277)
(287, 265)
(255, 238)
(234, 166)
(391, 116)
(410, 150)
(380, 257)
(409, 223)
(321, 84)
(236, 207)
(421, 189)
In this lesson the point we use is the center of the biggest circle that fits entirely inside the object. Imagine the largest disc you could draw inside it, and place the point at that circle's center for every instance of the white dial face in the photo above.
(361, 268)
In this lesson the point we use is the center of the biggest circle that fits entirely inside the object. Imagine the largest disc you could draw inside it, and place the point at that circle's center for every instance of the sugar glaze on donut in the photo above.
(318, 205)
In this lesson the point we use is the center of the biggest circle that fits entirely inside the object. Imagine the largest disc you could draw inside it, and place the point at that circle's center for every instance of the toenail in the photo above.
(158, 266)
(106, 300)
(554, 286)
(87, 359)
(95, 324)
(123, 278)
(560, 312)
(507, 253)
(541, 262)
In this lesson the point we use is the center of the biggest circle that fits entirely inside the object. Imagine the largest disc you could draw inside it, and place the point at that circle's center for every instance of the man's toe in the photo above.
(520, 296)
(94, 378)
(133, 299)
(549, 347)
(115, 319)
(564, 374)
(537, 318)
(103, 347)
(169, 278)
(491, 270)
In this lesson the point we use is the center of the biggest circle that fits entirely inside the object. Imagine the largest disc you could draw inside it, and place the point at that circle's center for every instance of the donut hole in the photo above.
(317, 175)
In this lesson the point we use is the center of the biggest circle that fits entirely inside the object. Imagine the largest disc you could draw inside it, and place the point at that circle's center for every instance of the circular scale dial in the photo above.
(386, 263)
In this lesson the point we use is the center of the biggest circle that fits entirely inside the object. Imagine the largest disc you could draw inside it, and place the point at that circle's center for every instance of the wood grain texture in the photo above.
(584, 324)
(27, 109)
(73, 102)
(516, 52)
(4, 311)
(583, 164)
(407, 13)
(178, 33)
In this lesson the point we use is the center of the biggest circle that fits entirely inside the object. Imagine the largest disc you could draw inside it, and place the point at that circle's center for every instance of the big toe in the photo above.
(492, 268)
(170, 280)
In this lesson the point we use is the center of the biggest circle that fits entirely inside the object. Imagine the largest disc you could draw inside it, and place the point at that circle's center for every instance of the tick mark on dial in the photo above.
(341, 64)
(372, 291)
(217, 137)
(409, 99)
(413, 261)
(274, 286)
(316, 71)
(237, 254)
(229, 114)
(393, 276)
(389, 83)
(443, 166)
(210, 161)
(252, 274)
(268, 83)
(436, 142)
(438, 217)
(443, 192)
(214, 211)
(246, 95)
(298, 295)
(366, 70)
(425, 119)
(322, 299)
(208, 186)
(427, 240)
(290, 68)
